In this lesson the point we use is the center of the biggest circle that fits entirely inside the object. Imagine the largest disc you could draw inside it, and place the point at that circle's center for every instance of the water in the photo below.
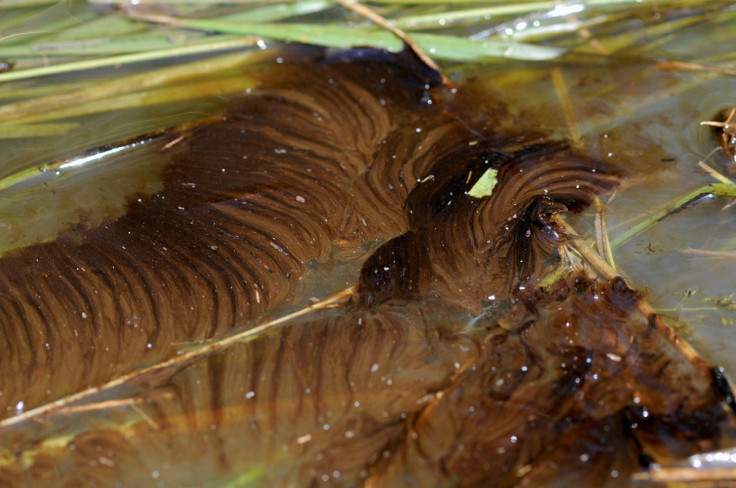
(442, 364)
(647, 121)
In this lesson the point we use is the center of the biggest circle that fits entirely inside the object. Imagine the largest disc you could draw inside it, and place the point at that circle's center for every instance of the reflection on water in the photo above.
(448, 364)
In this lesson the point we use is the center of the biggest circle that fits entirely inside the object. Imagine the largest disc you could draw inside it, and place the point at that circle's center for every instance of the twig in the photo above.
(674, 65)
(177, 362)
(598, 226)
(609, 273)
(606, 240)
(585, 33)
(144, 415)
(715, 174)
(721, 124)
(31, 110)
(563, 96)
(602, 243)
(374, 17)
(124, 59)
(704, 252)
(687, 474)
(105, 151)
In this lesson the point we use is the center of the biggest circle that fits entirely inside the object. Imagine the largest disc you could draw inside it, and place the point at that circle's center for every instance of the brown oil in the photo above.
(449, 364)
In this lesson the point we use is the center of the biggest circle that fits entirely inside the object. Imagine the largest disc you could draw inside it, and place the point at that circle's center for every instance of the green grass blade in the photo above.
(8, 4)
(720, 189)
(273, 13)
(218, 44)
(138, 99)
(525, 6)
(107, 26)
(37, 109)
(104, 46)
(462, 49)
(46, 26)
(10, 20)
(31, 91)
(438, 46)
(453, 16)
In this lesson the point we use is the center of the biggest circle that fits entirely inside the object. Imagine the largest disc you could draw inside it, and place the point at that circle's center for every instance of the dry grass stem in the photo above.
(563, 96)
(713, 123)
(704, 252)
(604, 228)
(602, 267)
(598, 225)
(674, 65)
(374, 17)
(176, 363)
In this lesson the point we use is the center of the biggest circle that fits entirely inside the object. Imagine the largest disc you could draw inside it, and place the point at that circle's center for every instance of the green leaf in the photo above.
(485, 185)
(438, 46)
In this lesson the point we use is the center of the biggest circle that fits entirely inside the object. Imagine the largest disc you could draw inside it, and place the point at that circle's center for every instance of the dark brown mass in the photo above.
(323, 157)
(449, 365)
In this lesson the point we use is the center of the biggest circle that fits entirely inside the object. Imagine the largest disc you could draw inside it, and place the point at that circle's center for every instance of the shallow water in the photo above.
(337, 174)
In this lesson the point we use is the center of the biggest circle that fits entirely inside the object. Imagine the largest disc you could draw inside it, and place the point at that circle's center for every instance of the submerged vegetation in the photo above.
(231, 261)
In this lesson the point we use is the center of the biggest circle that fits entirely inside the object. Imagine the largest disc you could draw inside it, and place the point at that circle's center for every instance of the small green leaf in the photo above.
(485, 184)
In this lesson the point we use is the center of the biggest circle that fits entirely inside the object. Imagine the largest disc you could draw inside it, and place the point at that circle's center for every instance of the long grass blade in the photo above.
(47, 25)
(8, 4)
(524, 6)
(161, 54)
(106, 46)
(195, 353)
(146, 98)
(283, 11)
(379, 20)
(438, 46)
(720, 189)
(71, 103)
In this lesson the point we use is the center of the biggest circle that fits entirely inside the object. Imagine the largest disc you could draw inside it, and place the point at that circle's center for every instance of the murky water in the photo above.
(442, 361)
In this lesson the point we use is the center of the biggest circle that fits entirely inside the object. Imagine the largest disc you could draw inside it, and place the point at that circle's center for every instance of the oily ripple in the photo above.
(312, 161)
(448, 364)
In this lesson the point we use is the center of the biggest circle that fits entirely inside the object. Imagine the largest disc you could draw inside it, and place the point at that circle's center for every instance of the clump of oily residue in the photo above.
(724, 126)
(447, 365)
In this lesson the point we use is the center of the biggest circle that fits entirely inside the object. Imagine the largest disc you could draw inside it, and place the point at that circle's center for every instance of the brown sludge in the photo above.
(448, 366)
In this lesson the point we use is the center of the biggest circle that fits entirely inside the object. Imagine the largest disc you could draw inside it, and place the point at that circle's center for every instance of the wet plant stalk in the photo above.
(609, 273)
(34, 110)
(89, 64)
(175, 363)
(714, 189)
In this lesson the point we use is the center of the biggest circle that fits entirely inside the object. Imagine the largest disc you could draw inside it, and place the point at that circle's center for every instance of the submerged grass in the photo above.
(724, 188)
(43, 108)
(43, 43)
(451, 31)
(84, 33)
(84, 65)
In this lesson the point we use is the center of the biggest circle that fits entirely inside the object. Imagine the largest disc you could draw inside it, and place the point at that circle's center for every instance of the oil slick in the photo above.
(554, 385)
